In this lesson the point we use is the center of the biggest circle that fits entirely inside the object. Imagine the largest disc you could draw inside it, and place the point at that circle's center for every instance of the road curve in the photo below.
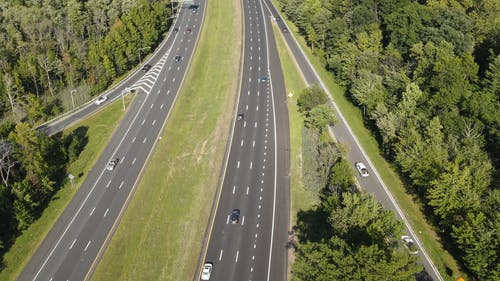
(74, 245)
(255, 179)
(343, 133)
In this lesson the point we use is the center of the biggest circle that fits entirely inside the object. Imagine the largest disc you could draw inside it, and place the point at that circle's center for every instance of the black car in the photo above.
(177, 58)
(146, 67)
(240, 116)
(235, 216)
(176, 29)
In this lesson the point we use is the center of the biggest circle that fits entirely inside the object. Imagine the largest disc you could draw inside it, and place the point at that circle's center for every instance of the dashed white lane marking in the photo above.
(133, 161)
(158, 92)
(241, 143)
(51, 278)
(123, 159)
(261, 189)
(249, 79)
(72, 244)
(220, 255)
(244, 124)
(144, 141)
(152, 105)
(238, 165)
(248, 93)
(243, 221)
(168, 92)
(248, 189)
(173, 80)
(258, 216)
(260, 206)
(255, 245)
(164, 79)
(92, 211)
(227, 221)
(154, 122)
(256, 235)
(251, 164)
(161, 106)
(251, 269)
(250, 66)
(86, 247)
(121, 184)
(107, 185)
(258, 93)
(237, 254)
(257, 108)
(234, 188)
(246, 107)
(133, 140)
(255, 125)
(143, 121)
(253, 143)
(253, 257)
(260, 198)
(106, 213)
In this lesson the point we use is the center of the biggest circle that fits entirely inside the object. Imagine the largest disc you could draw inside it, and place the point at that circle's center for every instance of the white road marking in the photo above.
(86, 247)
(92, 211)
(107, 185)
(152, 105)
(158, 92)
(237, 254)
(154, 122)
(121, 184)
(251, 164)
(234, 188)
(260, 198)
(255, 125)
(220, 255)
(106, 213)
(253, 143)
(238, 165)
(241, 143)
(258, 216)
(133, 140)
(168, 92)
(248, 189)
(133, 161)
(253, 257)
(257, 108)
(260, 206)
(244, 124)
(251, 269)
(143, 121)
(161, 106)
(165, 79)
(144, 141)
(227, 221)
(173, 79)
(256, 235)
(261, 189)
(248, 93)
(72, 244)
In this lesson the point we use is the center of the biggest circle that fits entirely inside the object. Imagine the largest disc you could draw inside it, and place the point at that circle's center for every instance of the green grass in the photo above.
(100, 128)
(161, 233)
(411, 206)
(301, 199)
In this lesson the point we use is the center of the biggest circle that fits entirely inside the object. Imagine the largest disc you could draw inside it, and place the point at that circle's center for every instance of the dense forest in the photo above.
(49, 47)
(426, 75)
(347, 235)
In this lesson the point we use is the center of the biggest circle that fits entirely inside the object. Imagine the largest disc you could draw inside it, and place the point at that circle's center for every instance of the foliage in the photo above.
(51, 47)
(426, 75)
(310, 98)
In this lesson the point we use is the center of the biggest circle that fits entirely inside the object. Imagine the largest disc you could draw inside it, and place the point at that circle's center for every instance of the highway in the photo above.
(73, 247)
(343, 134)
(256, 175)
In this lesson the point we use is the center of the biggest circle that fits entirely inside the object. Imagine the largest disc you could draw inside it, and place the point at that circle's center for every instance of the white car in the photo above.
(207, 270)
(100, 100)
(362, 169)
(409, 244)
(111, 164)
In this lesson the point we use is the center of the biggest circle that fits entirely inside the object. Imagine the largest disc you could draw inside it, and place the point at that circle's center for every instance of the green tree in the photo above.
(320, 117)
(310, 98)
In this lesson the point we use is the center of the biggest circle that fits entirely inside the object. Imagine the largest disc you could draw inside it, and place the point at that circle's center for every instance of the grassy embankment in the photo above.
(411, 206)
(161, 233)
(100, 128)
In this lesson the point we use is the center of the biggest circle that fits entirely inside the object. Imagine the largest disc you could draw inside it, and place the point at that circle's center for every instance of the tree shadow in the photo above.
(312, 225)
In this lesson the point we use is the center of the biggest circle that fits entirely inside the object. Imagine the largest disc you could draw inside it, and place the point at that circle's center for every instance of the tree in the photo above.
(320, 116)
(310, 98)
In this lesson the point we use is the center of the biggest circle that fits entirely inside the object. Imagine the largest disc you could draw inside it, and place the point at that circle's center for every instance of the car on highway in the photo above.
(362, 169)
(100, 100)
(235, 216)
(112, 164)
(177, 58)
(188, 30)
(207, 271)
(240, 116)
(264, 78)
(409, 245)
(285, 30)
(176, 29)
(146, 67)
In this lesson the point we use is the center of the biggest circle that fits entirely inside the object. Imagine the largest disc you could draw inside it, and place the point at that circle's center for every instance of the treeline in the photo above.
(51, 46)
(32, 168)
(348, 235)
(427, 77)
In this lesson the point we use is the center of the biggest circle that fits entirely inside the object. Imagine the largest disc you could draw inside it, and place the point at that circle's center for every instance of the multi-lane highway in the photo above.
(256, 170)
(344, 134)
(73, 247)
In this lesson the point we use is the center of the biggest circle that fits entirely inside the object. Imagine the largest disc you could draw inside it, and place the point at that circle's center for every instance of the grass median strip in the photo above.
(100, 128)
(161, 233)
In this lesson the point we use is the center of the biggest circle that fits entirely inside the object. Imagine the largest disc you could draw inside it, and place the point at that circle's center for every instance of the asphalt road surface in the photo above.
(256, 178)
(373, 183)
(74, 246)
